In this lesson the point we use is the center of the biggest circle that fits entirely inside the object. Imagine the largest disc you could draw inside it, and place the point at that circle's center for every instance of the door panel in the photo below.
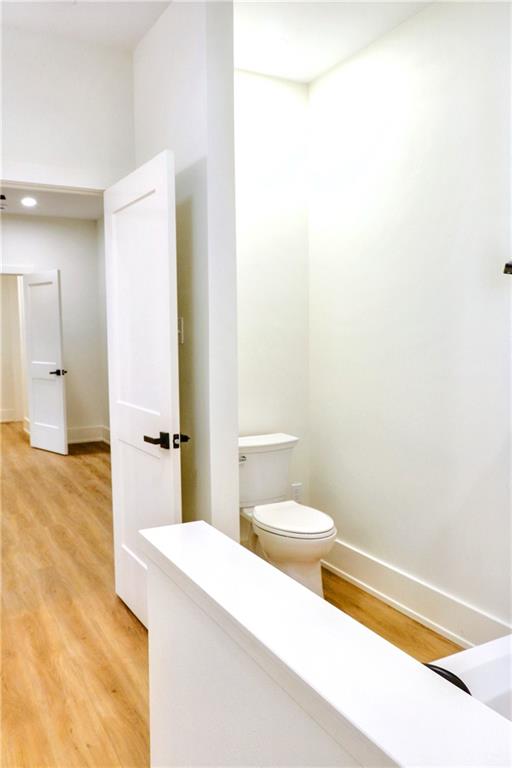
(143, 364)
(46, 389)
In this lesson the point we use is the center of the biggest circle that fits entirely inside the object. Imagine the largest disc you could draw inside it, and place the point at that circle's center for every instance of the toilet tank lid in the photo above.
(273, 442)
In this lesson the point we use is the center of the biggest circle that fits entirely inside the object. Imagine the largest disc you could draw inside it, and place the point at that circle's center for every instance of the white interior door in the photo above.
(140, 247)
(46, 383)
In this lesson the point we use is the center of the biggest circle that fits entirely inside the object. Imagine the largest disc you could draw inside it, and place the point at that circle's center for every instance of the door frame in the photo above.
(18, 270)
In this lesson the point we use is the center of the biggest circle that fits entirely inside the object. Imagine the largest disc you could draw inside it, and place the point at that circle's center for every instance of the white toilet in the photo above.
(289, 535)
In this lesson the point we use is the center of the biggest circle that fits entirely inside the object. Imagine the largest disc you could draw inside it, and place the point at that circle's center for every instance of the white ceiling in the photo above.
(69, 205)
(300, 41)
(295, 40)
(117, 24)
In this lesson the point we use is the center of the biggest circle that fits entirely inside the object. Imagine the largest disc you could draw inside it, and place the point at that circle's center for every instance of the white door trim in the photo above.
(37, 187)
(16, 269)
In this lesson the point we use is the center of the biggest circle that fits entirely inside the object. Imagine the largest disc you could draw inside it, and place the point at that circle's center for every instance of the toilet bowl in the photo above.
(295, 538)
(291, 536)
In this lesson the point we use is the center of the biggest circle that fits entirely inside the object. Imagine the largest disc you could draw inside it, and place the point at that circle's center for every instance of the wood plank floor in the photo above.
(74, 658)
(413, 638)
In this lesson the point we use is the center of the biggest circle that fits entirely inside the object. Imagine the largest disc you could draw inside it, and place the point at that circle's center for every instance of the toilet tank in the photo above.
(264, 462)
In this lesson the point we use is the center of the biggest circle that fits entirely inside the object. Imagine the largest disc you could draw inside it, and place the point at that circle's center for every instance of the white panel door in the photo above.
(46, 383)
(140, 243)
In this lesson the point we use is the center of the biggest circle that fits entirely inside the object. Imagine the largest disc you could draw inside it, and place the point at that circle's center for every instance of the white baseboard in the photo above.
(87, 434)
(94, 434)
(430, 606)
(9, 414)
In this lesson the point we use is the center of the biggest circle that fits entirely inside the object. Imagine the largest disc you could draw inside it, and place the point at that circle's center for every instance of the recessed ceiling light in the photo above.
(28, 202)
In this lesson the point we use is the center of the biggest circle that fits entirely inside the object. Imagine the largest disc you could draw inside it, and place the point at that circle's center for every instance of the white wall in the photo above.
(68, 110)
(11, 381)
(70, 245)
(409, 310)
(272, 254)
(187, 59)
(396, 366)
(175, 44)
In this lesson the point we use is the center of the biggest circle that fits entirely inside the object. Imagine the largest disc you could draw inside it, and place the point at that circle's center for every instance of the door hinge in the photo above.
(177, 440)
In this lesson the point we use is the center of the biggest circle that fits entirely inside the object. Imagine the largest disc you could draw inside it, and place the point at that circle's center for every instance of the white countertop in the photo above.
(412, 715)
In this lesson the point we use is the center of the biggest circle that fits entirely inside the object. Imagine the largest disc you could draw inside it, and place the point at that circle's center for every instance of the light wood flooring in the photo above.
(405, 633)
(74, 658)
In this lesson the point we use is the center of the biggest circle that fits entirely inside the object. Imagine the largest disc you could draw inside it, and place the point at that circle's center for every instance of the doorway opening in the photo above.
(13, 393)
(54, 338)
(79, 264)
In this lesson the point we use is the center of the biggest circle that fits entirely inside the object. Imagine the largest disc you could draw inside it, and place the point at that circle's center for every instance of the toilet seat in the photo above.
(293, 520)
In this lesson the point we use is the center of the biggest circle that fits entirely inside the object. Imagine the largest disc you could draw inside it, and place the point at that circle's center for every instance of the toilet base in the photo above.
(248, 538)
(299, 558)
(309, 574)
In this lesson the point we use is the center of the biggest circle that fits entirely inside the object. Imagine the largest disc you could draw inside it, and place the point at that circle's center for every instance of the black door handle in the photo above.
(58, 372)
(163, 441)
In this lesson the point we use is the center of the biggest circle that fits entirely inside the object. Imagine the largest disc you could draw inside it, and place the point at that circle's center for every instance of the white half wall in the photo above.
(410, 314)
(11, 382)
(187, 57)
(68, 110)
(272, 258)
(276, 676)
(70, 245)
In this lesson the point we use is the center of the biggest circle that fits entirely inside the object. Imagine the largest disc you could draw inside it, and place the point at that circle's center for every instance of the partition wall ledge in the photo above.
(248, 667)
